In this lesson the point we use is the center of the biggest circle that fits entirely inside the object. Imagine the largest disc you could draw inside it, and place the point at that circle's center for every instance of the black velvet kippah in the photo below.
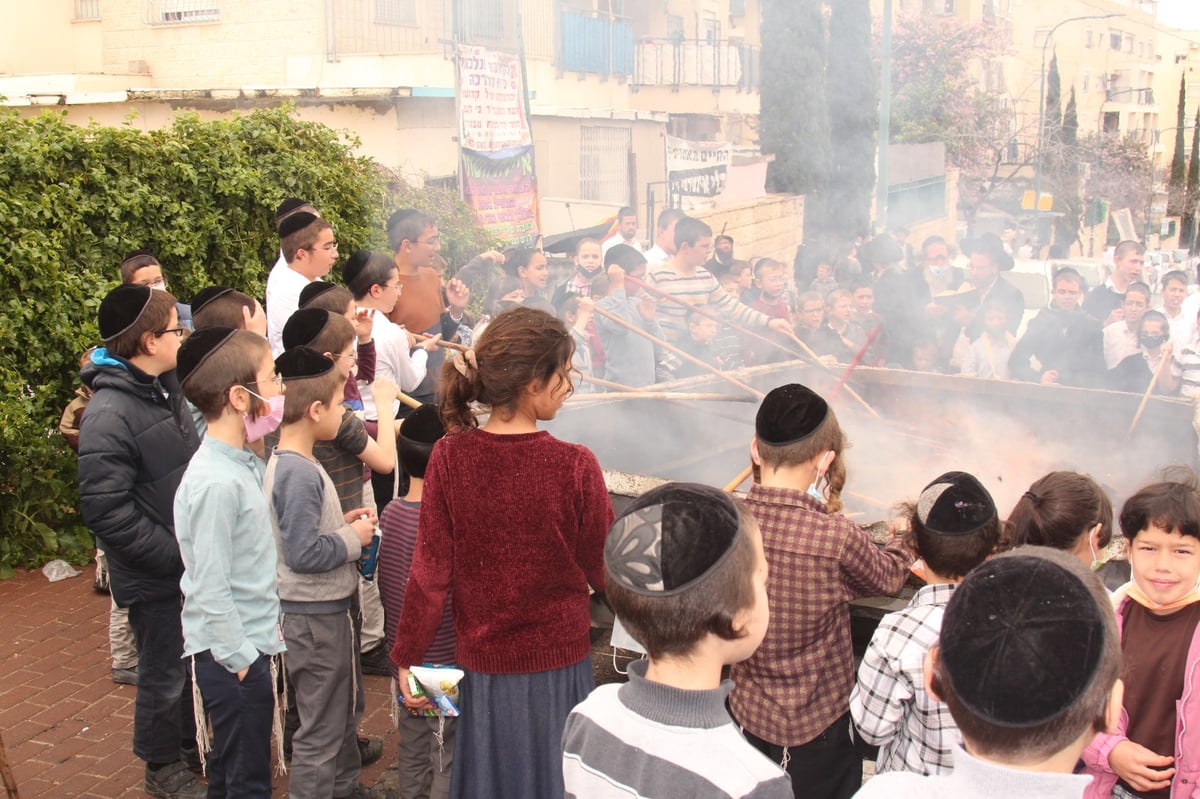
(146, 254)
(121, 309)
(296, 222)
(313, 290)
(955, 504)
(670, 537)
(303, 327)
(1021, 640)
(301, 363)
(355, 264)
(424, 425)
(788, 414)
(992, 246)
(197, 349)
(290, 206)
(205, 296)
(398, 216)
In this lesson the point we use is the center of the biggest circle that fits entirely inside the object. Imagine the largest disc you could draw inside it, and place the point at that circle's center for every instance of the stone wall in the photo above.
(771, 226)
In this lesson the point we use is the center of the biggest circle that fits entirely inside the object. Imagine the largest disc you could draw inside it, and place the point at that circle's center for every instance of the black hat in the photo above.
(290, 206)
(205, 296)
(424, 425)
(1022, 638)
(198, 347)
(313, 290)
(146, 256)
(670, 538)
(882, 249)
(955, 504)
(301, 363)
(399, 216)
(296, 222)
(989, 244)
(303, 327)
(355, 264)
(788, 414)
(121, 309)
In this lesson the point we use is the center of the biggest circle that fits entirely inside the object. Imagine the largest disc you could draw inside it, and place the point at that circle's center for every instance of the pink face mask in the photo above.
(259, 427)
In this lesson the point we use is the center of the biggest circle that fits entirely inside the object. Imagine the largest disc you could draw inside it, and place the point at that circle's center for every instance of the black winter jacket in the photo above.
(135, 442)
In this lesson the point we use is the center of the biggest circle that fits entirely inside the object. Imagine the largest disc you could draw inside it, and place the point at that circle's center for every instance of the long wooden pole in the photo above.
(742, 476)
(450, 345)
(680, 396)
(686, 356)
(599, 381)
(6, 774)
(1137, 417)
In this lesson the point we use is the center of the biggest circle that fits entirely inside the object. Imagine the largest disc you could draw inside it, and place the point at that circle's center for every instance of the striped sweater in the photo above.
(696, 290)
(647, 739)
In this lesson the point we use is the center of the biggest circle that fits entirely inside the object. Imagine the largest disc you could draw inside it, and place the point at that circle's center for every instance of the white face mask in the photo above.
(1097, 561)
(813, 491)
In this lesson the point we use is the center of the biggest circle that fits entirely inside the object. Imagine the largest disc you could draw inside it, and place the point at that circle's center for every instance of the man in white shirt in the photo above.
(309, 242)
(664, 238)
(627, 228)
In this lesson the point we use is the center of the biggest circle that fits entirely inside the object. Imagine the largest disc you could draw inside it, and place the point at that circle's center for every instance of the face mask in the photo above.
(259, 427)
(1150, 342)
(938, 271)
(813, 491)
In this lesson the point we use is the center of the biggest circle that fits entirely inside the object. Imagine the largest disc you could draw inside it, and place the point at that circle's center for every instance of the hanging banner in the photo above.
(491, 100)
(697, 169)
(501, 189)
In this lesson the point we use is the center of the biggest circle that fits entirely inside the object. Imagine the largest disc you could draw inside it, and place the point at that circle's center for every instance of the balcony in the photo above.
(676, 62)
(595, 43)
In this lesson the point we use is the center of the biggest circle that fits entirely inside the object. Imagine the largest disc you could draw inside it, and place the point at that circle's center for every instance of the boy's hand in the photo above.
(406, 698)
(384, 391)
(364, 323)
(458, 294)
(493, 256)
(1141, 768)
(430, 344)
(1049, 377)
(616, 277)
(412, 340)
(587, 308)
(782, 326)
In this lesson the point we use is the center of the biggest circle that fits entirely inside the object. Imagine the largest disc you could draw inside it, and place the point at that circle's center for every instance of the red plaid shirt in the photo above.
(798, 682)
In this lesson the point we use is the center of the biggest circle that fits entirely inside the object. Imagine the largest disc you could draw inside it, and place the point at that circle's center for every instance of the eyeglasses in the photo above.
(395, 286)
(351, 358)
(277, 379)
(156, 283)
(179, 332)
(432, 241)
(330, 247)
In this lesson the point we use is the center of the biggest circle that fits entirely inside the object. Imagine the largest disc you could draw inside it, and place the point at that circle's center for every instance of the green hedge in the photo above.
(201, 195)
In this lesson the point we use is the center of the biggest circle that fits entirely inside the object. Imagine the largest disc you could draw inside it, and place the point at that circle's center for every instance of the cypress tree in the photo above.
(1177, 184)
(1067, 197)
(850, 92)
(1193, 188)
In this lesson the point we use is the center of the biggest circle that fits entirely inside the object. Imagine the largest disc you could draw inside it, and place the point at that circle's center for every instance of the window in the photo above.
(604, 163)
(737, 8)
(1129, 42)
(1114, 40)
(1089, 39)
(182, 12)
(1086, 81)
(396, 12)
(87, 9)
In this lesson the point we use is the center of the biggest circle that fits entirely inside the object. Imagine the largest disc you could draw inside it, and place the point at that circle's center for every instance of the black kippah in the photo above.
(121, 308)
(355, 265)
(883, 249)
(424, 425)
(623, 256)
(788, 414)
(670, 537)
(296, 222)
(313, 290)
(399, 216)
(1022, 639)
(301, 363)
(146, 254)
(303, 327)
(198, 347)
(205, 296)
(990, 244)
(955, 504)
(290, 206)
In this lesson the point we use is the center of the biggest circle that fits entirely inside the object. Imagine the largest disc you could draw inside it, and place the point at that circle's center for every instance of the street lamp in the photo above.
(1037, 174)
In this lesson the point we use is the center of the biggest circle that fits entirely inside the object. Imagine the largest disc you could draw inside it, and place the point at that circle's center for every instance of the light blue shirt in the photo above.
(230, 596)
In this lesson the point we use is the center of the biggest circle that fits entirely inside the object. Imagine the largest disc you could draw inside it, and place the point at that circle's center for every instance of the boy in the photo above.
(221, 306)
(630, 358)
(953, 528)
(988, 355)
(1154, 750)
(310, 250)
(426, 742)
(142, 268)
(1062, 343)
(589, 264)
(230, 602)
(793, 695)
(1174, 292)
(685, 573)
(866, 318)
(135, 441)
(1120, 337)
(701, 334)
(769, 283)
(1027, 662)
(318, 545)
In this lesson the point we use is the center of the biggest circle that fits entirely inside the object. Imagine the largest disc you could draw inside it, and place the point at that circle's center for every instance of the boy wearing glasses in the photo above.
(135, 440)
(142, 267)
(310, 251)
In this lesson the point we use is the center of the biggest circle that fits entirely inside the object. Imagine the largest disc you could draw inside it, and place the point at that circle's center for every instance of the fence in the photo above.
(679, 62)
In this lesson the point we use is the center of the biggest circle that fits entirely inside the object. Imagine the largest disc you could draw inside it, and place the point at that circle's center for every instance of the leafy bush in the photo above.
(74, 200)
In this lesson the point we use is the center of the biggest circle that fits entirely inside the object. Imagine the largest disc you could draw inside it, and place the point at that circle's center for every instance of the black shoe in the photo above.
(174, 781)
(376, 661)
(125, 676)
(369, 749)
(360, 791)
(191, 759)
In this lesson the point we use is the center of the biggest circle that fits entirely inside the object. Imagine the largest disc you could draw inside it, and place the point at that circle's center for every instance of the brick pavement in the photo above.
(67, 727)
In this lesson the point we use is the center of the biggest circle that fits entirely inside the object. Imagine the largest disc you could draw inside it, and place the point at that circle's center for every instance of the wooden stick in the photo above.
(407, 400)
(742, 476)
(672, 348)
(679, 396)
(1137, 417)
(606, 383)
(450, 345)
(6, 774)
(817, 359)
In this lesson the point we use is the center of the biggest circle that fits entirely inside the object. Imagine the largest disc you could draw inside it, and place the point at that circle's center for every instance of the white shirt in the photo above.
(284, 285)
(393, 361)
(613, 241)
(656, 256)
(1183, 327)
(1189, 309)
(1119, 343)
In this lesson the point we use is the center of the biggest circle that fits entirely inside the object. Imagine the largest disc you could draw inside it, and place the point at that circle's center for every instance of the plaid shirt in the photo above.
(889, 703)
(798, 682)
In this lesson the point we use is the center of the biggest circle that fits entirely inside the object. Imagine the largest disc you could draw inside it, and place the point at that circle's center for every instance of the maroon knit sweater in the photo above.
(515, 524)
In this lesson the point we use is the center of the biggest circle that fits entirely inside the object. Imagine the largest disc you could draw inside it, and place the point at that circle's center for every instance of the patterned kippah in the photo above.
(955, 504)
(670, 538)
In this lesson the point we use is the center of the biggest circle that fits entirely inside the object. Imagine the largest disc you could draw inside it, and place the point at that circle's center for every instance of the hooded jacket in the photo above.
(135, 441)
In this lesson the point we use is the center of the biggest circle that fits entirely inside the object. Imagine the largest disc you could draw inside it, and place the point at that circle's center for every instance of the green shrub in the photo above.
(74, 200)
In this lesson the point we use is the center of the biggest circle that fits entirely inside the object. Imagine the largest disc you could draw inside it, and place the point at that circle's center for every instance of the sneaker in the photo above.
(360, 791)
(369, 749)
(376, 661)
(174, 781)
(125, 676)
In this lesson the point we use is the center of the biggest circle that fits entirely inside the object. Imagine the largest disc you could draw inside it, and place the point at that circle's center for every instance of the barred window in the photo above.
(396, 12)
(87, 9)
(182, 12)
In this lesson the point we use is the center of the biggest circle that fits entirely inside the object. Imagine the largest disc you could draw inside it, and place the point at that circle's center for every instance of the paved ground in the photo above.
(66, 726)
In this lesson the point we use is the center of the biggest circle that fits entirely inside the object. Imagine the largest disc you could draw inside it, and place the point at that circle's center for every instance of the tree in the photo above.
(1177, 182)
(1193, 189)
(1119, 172)
(1066, 178)
(850, 93)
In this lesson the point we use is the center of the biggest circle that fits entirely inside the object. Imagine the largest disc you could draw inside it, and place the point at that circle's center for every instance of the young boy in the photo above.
(702, 332)
(310, 250)
(230, 601)
(221, 306)
(1027, 662)
(988, 355)
(141, 268)
(135, 441)
(426, 742)
(1155, 749)
(953, 528)
(629, 358)
(793, 695)
(318, 545)
(685, 574)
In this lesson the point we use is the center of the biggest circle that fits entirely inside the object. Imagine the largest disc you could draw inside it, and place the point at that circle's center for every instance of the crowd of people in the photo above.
(353, 479)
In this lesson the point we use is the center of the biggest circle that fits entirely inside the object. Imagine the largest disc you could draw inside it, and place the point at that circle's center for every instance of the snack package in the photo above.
(440, 684)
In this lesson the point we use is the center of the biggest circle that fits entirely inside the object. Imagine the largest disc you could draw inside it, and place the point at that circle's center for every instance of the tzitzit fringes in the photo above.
(277, 716)
(203, 733)
(395, 702)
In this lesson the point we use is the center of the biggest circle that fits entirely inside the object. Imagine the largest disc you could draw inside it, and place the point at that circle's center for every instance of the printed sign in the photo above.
(697, 169)
(491, 100)
(501, 189)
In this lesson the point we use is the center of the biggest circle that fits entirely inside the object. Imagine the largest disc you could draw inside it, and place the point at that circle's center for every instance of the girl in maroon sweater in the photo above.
(514, 521)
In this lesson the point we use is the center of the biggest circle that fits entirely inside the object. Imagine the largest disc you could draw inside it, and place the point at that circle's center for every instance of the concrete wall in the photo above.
(772, 226)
